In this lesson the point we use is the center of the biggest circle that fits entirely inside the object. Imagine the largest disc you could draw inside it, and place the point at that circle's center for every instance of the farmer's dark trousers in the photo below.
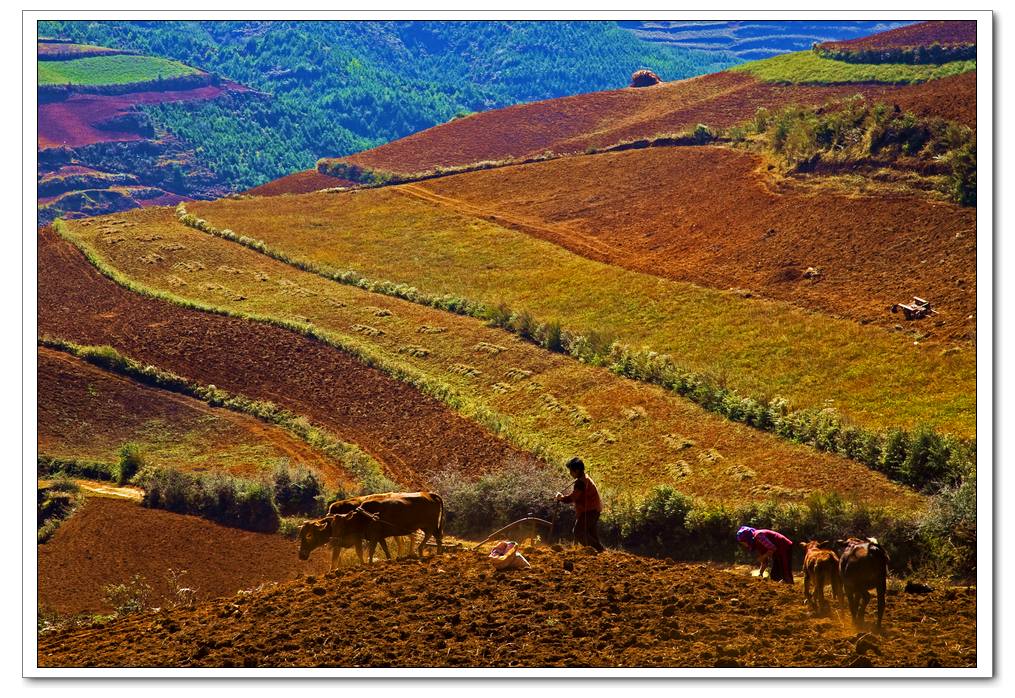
(586, 530)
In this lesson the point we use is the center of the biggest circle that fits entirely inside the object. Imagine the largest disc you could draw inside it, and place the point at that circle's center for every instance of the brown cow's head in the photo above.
(816, 545)
(314, 534)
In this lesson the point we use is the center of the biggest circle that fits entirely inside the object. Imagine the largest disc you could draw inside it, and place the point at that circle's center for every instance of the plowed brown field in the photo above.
(77, 120)
(945, 33)
(300, 183)
(703, 214)
(110, 540)
(598, 119)
(85, 412)
(409, 433)
(613, 610)
(951, 98)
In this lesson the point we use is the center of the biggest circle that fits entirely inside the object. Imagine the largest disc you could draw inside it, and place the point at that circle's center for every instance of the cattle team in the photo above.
(850, 575)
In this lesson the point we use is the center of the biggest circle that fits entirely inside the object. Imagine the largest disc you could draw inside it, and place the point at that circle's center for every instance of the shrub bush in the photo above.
(132, 597)
(298, 491)
(130, 462)
(514, 491)
(668, 523)
(221, 498)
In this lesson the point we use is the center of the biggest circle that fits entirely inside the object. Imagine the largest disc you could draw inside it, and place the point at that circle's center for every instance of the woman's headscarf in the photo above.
(745, 534)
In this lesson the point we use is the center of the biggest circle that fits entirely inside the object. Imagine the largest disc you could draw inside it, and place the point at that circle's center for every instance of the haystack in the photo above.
(644, 78)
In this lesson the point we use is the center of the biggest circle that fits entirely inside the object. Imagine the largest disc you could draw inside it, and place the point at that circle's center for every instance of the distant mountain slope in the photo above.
(340, 87)
(751, 39)
(98, 150)
(720, 100)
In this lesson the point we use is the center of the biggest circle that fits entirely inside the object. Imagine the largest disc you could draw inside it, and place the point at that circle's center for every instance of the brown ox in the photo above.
(373, 519)
(821, 566)
(864, 566)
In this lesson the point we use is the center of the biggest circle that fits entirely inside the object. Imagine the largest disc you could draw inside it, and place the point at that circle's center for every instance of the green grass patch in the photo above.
(805, 67)
(110, 70)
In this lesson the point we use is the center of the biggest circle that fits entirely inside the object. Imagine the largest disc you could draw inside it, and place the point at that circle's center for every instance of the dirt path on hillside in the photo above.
(559, 234)
(411, 434)
(569, 609)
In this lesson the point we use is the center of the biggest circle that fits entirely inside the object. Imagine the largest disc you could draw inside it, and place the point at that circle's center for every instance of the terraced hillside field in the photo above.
(98, 150)
(87, 413)
(760, 347)
(110, 540)
(410, 433)
(632, 435)
(567, 610)
(571, 124)
(706, 215)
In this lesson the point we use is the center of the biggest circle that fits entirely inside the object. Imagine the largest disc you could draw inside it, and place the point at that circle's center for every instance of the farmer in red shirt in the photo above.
(587, 505)
(769, 545)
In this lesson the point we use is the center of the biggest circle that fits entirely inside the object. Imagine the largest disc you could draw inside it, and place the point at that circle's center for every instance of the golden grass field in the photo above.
(764, 348)
(632, 435)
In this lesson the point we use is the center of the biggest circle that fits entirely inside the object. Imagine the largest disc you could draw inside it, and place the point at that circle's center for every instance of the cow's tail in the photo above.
(440, 514)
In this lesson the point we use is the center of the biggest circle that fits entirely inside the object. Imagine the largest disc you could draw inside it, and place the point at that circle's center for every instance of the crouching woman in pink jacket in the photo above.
(769, 545)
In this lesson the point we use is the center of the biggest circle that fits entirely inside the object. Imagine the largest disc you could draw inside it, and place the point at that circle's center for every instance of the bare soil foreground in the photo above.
(108, 541)
(570, 609)
(409, 433)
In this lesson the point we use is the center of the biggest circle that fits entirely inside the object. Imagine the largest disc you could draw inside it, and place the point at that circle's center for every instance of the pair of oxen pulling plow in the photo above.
(374, 518)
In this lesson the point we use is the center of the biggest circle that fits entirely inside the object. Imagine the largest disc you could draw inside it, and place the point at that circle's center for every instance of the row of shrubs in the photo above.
(940, 541)
(922, 458)
(854, 130)
(55, 502)
(253, 505)
(934, 54)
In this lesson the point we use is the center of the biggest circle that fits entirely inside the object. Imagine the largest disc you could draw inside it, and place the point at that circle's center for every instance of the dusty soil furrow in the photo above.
(410, 433)
(568, 609)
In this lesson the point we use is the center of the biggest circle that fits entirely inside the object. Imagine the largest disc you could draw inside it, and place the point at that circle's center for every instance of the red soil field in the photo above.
(946, 33)
(301, 182)
(58, 50)
(952, 98)
(703, 214)
(598, 119)
(411, 434)
(610, 610)
(72, 121)
(110, 540)
(86, 412)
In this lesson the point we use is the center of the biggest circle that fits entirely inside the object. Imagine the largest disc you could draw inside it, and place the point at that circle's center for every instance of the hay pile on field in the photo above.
(644, 78)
